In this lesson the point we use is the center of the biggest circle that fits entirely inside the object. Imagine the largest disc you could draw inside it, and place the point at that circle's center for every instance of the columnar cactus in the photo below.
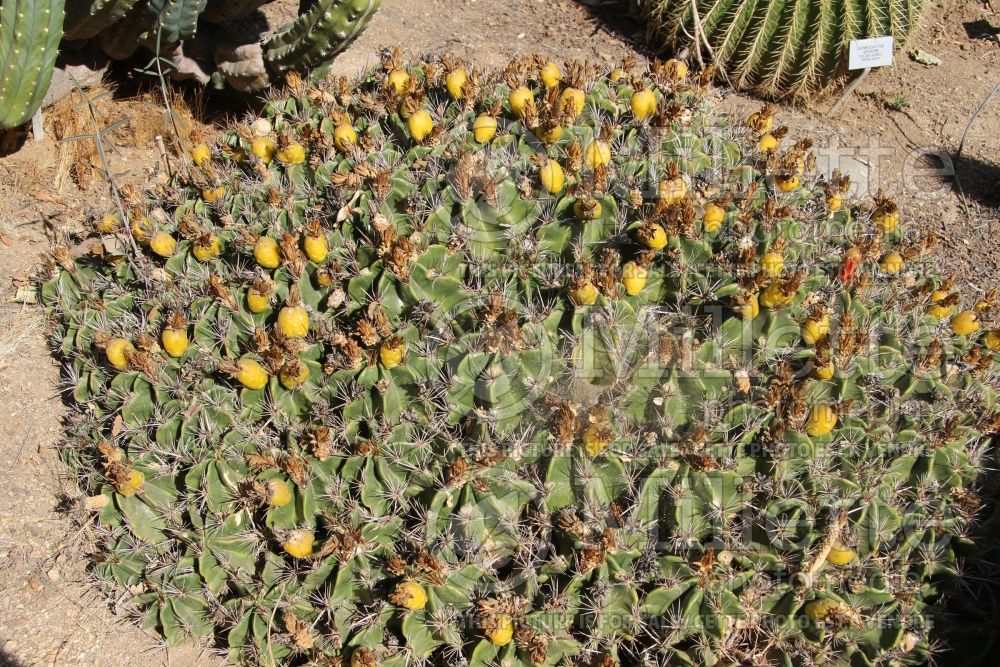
(777, 49)
(29, 42)
(534, 367)
(31, 30)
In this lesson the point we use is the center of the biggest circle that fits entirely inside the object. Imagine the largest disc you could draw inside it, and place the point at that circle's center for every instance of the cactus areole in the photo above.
(484, 429)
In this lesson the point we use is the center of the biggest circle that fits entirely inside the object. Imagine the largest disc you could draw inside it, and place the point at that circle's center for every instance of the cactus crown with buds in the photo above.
(570, 379)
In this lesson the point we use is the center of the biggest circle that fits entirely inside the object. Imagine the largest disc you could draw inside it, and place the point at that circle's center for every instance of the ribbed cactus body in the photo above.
(782, 47)
(30, 31)
(319, 34)
(175, 20)
(87, 18)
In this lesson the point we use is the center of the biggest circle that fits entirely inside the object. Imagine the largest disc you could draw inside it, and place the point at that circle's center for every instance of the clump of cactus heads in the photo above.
(418, 406)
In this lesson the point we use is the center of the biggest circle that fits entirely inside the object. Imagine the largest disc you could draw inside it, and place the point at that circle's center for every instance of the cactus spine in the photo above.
(324, 30)
(427, 403)
(778, 48)
(30, 31)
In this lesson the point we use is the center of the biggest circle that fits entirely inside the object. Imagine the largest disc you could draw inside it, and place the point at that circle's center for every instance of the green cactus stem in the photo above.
(30, 31)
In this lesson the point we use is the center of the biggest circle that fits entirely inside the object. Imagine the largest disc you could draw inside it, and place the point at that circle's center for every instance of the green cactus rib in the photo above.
(779, 48)
(176, 20)
(87, 18)
(30, 31)
(373, 390)
(123, 38)
(324, 30)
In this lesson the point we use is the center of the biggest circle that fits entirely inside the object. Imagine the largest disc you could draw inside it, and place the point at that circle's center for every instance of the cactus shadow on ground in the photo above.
(979, 180)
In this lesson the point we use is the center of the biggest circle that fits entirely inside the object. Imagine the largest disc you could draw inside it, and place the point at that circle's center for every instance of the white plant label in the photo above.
(872, 52)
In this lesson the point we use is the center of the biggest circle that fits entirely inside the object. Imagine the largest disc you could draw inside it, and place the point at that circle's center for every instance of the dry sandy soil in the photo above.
(48, 613)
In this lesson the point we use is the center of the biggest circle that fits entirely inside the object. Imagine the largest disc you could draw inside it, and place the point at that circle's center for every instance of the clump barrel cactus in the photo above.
(773, 48)
(541, 366)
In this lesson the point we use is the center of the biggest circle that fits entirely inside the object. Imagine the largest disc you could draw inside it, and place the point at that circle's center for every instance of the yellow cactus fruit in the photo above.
(201, 154)
(551, 135)
(840, 555)
(643, 103)
(174, 337)
(251, 374)
(572, 101)
(965, 323)
(292, 374)
(815, 329)
(598, 154)
(212, 195)
(891, 263)
(293, 319)
(834, 202)
(266, 252)
(142, 229)
(551, 75)
(299, 543)
(768, 143)
(455, 82)
(751, 308)
(617, 75)
(938, 309)
(315, 247)
(392, 351)
(399, 79)
(787, 182)
(775, 297)
(293, 153)
(117, 351)
(886, 218)
(587, 208)
(162, 243)
(582, 293)
(822, 420)
(411, 595)
(552, 177)
(344, 137)
(634, 278)
(653, 236)
(279, 493)
(420, 125)
(678, 69)
(772, 263)
(818, 610)
(258, 301)
(824, 371)
(264, 148)
(673, 190)
(760, 122)
(503, 632)
(484, 128)
(519, 99)
(713, 217)
(992, 340)
(206, 247)
(597, 437)
(108, 223)
(131, 484)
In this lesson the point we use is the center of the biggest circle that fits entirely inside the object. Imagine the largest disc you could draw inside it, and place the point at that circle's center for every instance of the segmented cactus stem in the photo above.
(315, 37)
(30, 31)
